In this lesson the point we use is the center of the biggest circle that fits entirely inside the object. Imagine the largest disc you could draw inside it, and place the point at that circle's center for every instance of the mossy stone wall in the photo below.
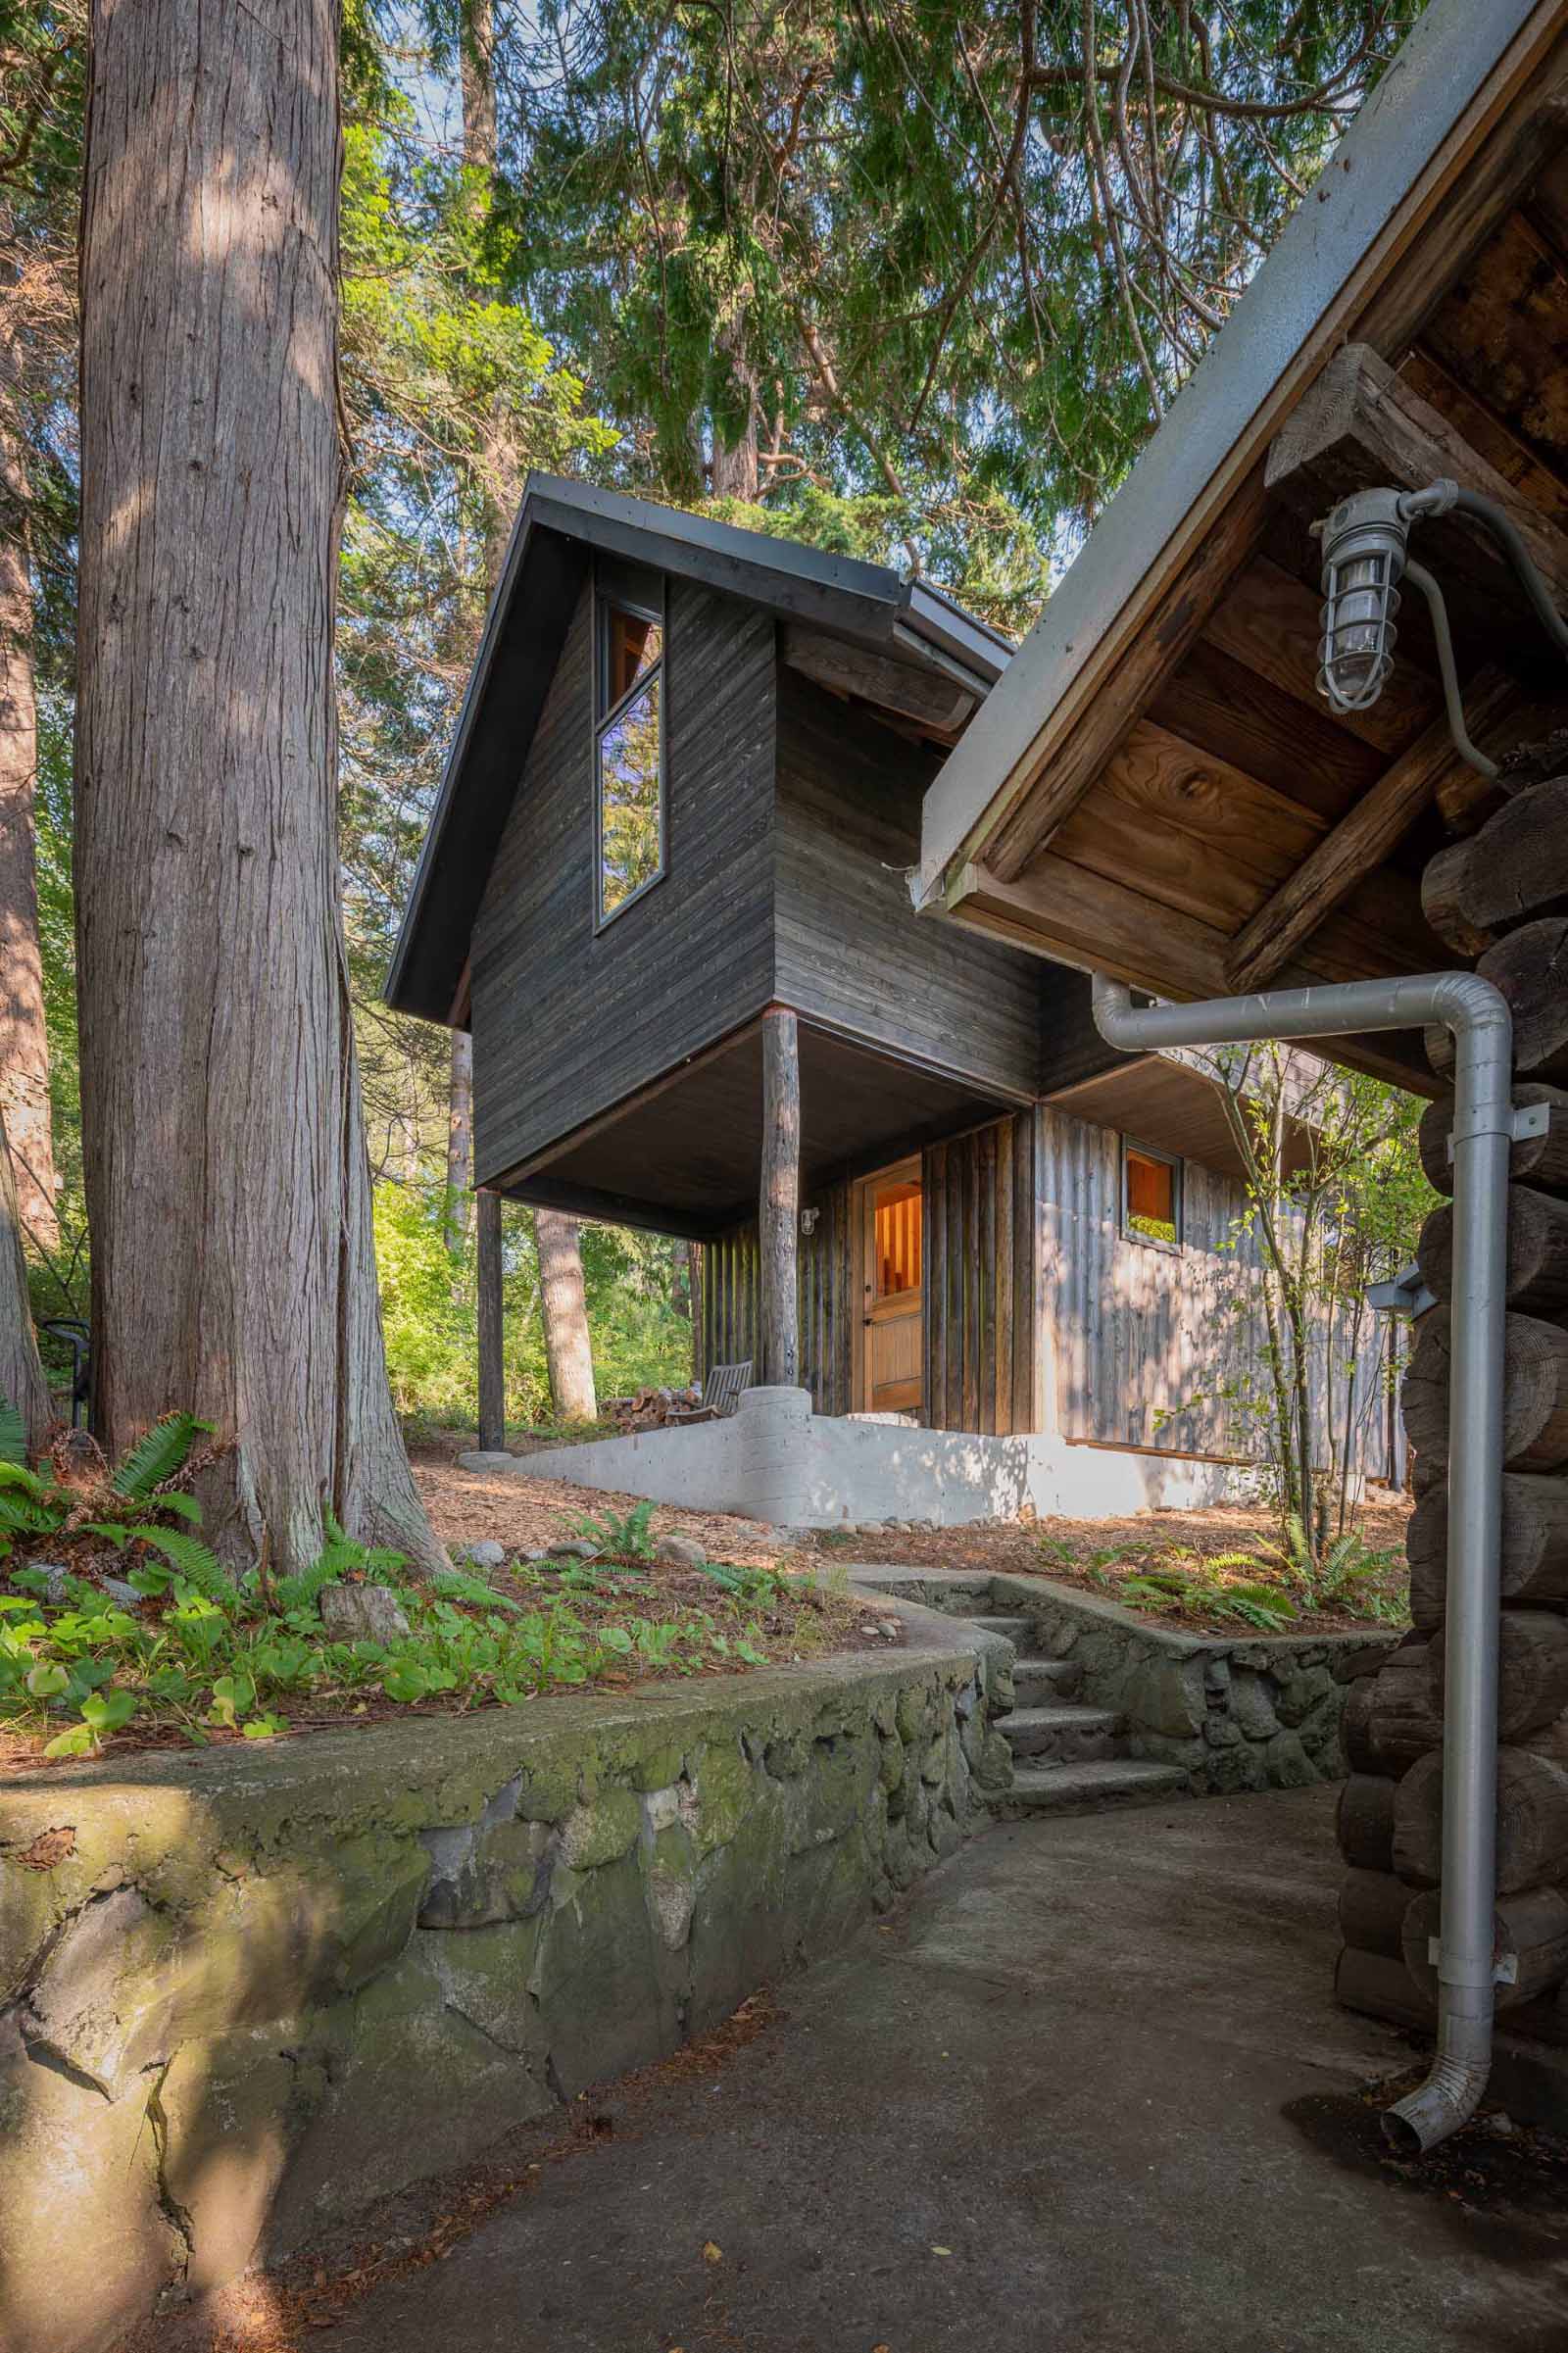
(248, 1991)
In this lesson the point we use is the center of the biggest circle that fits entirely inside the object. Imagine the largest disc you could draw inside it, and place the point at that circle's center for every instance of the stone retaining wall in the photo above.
(1235, 1711)
(248, 1991)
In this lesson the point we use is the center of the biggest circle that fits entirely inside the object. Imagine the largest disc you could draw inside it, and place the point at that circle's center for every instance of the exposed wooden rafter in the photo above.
(937, 705)
(1357, 845)
(1361, 427)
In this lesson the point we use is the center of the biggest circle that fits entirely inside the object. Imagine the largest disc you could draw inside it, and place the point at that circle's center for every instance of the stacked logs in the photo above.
(1495, 897)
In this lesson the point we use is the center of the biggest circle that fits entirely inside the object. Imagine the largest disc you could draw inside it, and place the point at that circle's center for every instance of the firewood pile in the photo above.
(1497, 895)
(650, 1408)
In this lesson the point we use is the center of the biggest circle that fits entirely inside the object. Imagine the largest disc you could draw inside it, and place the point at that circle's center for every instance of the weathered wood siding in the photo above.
(980, 1279)
(1138, 1345)
(850, 949)
(567, 1021)
(729, 1331)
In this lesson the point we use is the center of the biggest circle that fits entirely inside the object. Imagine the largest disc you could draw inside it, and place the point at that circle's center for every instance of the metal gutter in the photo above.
(1478, 1016)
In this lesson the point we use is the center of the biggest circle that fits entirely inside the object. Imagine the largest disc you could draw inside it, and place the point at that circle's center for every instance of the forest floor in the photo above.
(1203, 1560)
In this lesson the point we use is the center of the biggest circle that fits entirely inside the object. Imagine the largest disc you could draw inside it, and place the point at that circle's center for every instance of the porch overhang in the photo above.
(684, 1154)
(1154, 786)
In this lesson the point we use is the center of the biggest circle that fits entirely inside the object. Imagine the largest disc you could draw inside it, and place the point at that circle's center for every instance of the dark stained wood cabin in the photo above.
(685, 798)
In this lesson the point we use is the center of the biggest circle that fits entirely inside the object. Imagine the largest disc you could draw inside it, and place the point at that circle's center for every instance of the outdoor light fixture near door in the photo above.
(1365, 555)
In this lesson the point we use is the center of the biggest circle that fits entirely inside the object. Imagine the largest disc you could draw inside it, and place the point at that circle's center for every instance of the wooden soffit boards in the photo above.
(1187, 573)
(1156, 1100)
(683, 1156)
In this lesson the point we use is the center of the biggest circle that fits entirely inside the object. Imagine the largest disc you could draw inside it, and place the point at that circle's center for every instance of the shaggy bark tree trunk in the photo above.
(21, 1381)
(228, 1182)
(460, 1141)
(23, 1038)
(567, 1351)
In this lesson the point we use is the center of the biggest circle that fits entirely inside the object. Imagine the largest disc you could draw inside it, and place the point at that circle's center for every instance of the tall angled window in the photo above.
(628, 754)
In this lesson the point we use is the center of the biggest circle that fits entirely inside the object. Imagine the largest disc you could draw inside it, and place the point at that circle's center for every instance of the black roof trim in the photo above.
(560, 526)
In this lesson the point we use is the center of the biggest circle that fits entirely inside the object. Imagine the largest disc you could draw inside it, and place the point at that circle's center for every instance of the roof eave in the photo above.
(1458, 60)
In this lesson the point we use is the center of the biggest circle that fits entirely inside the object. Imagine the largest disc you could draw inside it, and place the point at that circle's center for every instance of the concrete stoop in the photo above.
(1068, 1758)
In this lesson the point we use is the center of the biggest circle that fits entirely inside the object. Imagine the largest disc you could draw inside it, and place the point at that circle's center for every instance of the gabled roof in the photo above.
(561, 525)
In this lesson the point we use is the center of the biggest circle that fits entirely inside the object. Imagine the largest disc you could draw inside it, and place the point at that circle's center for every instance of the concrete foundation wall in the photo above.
(248, 1991)
(777, 1460)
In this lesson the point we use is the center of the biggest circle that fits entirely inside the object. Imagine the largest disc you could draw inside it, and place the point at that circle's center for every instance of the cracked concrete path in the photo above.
(1088, 2090)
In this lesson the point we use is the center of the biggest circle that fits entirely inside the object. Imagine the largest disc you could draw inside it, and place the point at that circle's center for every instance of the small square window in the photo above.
(629, 816)
(1151, 1197)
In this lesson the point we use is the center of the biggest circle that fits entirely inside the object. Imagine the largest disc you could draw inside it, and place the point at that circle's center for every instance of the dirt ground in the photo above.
(467, 1505)
(523, 1514)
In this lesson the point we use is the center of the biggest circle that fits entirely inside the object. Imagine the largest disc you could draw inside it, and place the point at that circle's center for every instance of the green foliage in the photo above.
(620, 1535)
(157, 1454)
(1196, 1593)
(13, 1434)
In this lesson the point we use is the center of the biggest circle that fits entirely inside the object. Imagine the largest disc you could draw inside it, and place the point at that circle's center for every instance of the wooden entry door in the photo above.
(890, 1371)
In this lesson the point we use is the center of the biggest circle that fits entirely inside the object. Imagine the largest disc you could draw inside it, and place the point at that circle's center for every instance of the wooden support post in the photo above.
(779, 1206)
(492, 1378)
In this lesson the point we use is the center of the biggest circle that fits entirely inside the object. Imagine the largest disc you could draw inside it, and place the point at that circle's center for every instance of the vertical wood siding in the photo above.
(1141, 1340)
(730, 1323)
(980, 1279)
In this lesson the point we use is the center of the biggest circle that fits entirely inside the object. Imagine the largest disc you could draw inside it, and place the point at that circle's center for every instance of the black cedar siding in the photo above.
(568, 1020)
(850, 949)
(980, 1279)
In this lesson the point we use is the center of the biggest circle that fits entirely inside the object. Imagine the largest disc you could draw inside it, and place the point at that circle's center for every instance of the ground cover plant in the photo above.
(1222, 1568)
(119, 1626)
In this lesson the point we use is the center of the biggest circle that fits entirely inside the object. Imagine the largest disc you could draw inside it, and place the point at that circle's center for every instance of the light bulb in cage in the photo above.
(1365, 542)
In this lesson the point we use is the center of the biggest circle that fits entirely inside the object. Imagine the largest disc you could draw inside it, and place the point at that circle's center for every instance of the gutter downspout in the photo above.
(1478, 1016)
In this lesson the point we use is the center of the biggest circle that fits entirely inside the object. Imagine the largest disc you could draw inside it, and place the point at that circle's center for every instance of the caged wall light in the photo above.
(1365, 542)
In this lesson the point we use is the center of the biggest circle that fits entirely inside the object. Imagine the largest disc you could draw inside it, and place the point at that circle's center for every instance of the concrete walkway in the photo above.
(1087, 2091)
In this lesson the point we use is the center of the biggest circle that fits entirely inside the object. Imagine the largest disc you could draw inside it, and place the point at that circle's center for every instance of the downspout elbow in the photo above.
(1111, 1003)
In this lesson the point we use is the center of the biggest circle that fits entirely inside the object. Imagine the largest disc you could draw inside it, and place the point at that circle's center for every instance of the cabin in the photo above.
(666, 889)
(1156, 787)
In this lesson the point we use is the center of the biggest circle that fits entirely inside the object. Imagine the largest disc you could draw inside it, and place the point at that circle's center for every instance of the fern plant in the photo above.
(157, 1456)
(620, 1535)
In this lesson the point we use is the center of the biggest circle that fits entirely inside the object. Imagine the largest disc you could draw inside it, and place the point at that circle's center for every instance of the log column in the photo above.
(1485, 893)
(779, 1204)
(492, 1375)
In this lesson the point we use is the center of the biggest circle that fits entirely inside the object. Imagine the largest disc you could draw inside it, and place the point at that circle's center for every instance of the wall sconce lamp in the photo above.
(1365, 541)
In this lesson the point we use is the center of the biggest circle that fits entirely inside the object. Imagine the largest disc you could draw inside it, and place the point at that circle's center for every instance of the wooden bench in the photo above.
(722, 1394)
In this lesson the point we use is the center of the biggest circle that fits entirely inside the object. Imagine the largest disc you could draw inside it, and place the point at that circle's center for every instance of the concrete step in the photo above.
(1016, 1630)
(1087, 1788)
(1062, 1734)
(1038, 1679)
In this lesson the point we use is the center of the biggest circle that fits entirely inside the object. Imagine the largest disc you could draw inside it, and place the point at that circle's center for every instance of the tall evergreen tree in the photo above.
(226, 1174)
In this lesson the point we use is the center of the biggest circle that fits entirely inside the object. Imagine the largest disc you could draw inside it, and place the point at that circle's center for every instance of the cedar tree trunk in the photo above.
(21, 1381)
(23, 1038)
(228, 1183)
(565, 1317)
(459, 1139)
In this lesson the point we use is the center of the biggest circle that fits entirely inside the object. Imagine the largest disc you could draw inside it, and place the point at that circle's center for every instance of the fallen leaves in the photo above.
(712, 2253)
(49, 1847)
